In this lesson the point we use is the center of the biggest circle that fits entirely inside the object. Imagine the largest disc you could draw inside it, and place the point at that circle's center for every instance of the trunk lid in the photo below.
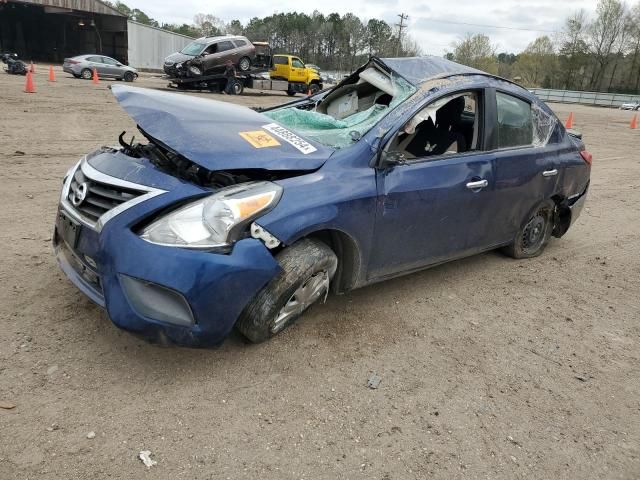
(218, 135)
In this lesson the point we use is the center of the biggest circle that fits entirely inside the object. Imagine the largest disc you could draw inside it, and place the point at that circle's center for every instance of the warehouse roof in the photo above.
(92, 6)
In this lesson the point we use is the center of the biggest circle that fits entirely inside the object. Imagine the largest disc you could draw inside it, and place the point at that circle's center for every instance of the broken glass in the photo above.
(340, 133)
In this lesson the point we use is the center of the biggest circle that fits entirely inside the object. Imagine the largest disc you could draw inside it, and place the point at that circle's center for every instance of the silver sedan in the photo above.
(82, 67)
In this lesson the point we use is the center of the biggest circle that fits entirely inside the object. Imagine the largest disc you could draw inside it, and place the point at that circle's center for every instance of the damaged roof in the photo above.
(418, 70)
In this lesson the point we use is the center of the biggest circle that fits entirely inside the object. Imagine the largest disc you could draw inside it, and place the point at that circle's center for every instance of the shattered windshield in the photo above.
(194, 48)
(349, 111)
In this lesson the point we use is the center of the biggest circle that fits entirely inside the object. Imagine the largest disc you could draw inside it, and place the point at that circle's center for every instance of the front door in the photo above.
(217, 60)
(111, 68)
(434, 205)
(298, 71)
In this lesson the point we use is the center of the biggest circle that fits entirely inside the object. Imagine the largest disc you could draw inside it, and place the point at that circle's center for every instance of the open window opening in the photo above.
(211, 49)
(448, 126)
(350, 110)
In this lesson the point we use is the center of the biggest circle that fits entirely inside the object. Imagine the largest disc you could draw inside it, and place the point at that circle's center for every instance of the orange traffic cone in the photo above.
(28, 86)
(95, 79)
(634, 122)
(52, 74)
(569, 123)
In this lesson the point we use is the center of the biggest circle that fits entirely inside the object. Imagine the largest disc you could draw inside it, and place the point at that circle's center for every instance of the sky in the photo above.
(427, 18)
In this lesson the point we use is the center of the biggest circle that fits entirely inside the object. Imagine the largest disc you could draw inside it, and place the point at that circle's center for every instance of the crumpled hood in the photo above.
(218, 135)
(178, 58)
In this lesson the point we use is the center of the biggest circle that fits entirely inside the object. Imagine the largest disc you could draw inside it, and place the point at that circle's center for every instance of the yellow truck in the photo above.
(301, 78)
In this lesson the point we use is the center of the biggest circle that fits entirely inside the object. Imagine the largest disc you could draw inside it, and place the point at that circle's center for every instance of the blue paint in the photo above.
(401, 217)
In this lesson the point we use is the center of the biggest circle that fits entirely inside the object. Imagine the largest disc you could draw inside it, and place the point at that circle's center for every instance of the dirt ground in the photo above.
(491, 368)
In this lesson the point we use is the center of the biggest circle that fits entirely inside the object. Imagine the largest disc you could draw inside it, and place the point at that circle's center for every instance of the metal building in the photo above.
(51, 30)
(148, 46)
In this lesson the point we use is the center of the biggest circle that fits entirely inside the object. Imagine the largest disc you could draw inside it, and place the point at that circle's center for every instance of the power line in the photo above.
(489, 26)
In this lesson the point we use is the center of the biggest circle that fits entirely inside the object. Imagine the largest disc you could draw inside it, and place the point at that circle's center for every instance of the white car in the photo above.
(630, 106)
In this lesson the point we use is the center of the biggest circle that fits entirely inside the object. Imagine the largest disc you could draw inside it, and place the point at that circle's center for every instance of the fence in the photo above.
(585, 98)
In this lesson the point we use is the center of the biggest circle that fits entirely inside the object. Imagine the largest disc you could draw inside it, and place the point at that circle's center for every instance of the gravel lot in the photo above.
(491, 367)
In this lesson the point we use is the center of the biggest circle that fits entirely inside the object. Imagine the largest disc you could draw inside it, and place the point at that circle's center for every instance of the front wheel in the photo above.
(307, 269)
(314, 88)
(534, 236)
(129, 77)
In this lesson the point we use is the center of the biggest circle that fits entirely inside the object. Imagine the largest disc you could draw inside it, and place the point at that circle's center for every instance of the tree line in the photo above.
(332, 41)
(600, 54)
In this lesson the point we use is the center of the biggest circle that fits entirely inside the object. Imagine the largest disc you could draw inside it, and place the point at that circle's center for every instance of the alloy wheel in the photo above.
(305, 296)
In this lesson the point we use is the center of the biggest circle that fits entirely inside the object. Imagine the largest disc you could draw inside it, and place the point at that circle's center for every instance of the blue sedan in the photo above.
(226, 216)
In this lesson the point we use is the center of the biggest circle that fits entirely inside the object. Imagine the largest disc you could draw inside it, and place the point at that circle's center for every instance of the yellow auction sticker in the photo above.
(260, 139)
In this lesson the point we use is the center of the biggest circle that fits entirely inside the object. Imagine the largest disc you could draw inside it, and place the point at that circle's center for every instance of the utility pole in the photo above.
(401, 26)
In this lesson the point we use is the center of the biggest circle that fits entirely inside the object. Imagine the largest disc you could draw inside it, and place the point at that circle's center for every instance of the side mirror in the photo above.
(119, 65)
(391, 158)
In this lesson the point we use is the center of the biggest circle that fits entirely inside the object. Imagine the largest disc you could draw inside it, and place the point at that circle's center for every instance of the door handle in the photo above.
(550, 173)
(477, 184)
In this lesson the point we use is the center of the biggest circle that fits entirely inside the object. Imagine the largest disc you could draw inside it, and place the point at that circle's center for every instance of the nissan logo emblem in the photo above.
(79, 193)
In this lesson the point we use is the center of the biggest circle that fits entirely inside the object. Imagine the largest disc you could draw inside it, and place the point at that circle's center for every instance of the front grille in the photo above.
(92, 199)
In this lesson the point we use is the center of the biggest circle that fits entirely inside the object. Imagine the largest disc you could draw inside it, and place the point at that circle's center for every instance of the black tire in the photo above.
(534, 235)
(86, 74)
(291, 93)
(129, 76)
(314, 87)
(75, 75)
(307, 262)
(244, 64)
(236, 87)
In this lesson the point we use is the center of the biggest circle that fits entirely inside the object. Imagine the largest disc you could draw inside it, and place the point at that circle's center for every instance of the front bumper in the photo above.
(165, 294)
(216, 287)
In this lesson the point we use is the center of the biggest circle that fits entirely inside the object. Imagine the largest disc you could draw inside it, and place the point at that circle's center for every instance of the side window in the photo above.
(109, 61)
(94, 59)
(447, 126)
(211, 49)
(240, 43)
(225, 45)
(280, 60)
(297, 63)
(515, 121)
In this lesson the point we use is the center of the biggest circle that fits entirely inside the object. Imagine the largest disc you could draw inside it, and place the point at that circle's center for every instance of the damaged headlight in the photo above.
(214, 221)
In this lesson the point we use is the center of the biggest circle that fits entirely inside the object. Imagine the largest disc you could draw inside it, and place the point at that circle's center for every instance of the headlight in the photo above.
(195, 70)
(214, 221)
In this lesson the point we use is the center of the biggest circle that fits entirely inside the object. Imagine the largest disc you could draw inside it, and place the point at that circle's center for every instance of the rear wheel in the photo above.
(307, 269)
(291, 92)
(534, 236)
(244, 64)
(236, 87)
(86, 74)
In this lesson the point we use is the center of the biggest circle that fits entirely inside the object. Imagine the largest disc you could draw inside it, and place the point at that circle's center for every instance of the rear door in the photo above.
(527, 167)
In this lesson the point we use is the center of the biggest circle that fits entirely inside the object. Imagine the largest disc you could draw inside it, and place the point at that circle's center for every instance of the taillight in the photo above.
(587, 157)
(72, 62)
